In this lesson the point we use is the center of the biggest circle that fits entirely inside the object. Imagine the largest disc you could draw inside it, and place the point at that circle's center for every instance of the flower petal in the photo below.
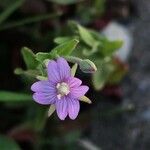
(73, 108)
(74, 82)
(53, 72)
(45, 98)
(61, 108)
(64, 68)
(43, 86)
(77, 92)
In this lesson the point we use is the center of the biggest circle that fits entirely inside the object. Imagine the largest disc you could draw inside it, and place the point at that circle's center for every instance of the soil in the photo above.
(125, 130)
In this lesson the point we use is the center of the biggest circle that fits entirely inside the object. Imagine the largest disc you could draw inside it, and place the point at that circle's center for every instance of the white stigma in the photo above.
(62, 89)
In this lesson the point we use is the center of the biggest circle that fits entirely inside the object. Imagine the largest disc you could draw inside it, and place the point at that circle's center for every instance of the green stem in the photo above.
(6, 13)
(28, 21)
(73, 59)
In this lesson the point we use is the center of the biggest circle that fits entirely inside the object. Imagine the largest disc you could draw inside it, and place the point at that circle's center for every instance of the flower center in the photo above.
(62, 89)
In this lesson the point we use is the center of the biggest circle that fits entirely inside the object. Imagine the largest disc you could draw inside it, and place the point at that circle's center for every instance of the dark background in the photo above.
(105, 124)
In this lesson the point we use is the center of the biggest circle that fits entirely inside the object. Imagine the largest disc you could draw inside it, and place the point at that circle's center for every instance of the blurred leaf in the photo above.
(118, 73)
(99, 6)
(95, 43)
(60, 40)
(86, 36)
(66, 48)
(96, 35)
(19, 71)
(41, 56)
(90, 52)
(6, 96)
(101, 76)
(40, 117)
(30, 73)
(63, 49)
(41, 70)
(64, 2)
(72, 137)
(8, 144)
(29, 58)
(74, 69)
(109, 47)
(28, 21)
(11, 8)
(85, 99)
(72, 25)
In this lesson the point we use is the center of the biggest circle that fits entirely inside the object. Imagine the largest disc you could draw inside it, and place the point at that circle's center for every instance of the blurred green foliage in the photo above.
(7, 143)
(6, 96)
(11, 7)
(86, 48)
(97, 48)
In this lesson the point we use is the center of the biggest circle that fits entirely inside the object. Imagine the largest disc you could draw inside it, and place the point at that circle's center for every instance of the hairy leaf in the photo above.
(86, 36)
(8, 144)
(101, 76)
(66, 48)
(7, 96)
(11, 8)
(29, 58)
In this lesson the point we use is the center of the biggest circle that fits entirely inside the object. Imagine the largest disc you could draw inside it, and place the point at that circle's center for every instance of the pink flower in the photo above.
(61, 89)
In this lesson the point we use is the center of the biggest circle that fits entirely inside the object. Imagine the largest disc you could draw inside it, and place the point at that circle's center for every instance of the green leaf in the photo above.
(96, 35)
(28, 20)
(64, 2)
(38, 117)
(118, 73)
(87, 52)
(30, 73)
(11, 8)
(29, 58)
(41, 56)
(8, 144)
(109, 47)
(6, 96)
(99, 6)
(65, 48)
(86, 36)
(101, 76)
(60, 40)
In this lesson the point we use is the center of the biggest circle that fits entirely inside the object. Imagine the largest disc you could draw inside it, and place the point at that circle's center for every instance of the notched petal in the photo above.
(74, 82)
(73, 108)
(42, 86)
(44, 98)
(79, 91)
(53, 72)
(61, 108)
(64, 68)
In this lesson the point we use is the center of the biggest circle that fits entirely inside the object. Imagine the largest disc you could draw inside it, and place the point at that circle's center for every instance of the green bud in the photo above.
(87, 66)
